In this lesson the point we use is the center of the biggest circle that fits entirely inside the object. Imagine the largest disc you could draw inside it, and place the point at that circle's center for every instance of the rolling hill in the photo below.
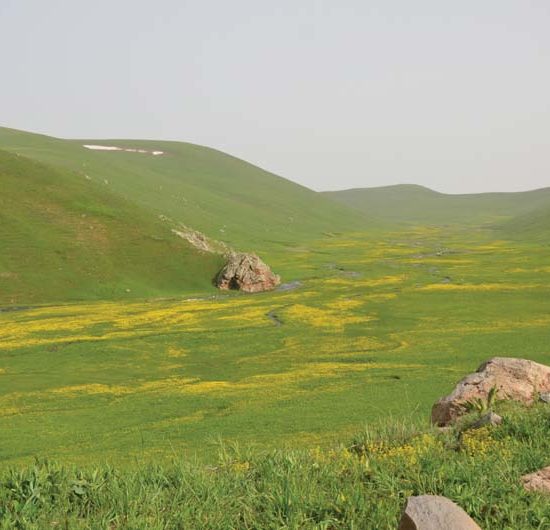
(207, 190)
(150, 187)
(97, 217)
(63, 237)
(532, 225)
(414, 204)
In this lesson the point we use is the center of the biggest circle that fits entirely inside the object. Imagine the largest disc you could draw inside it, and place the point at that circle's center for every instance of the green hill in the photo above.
(418, 205)
(224, 197)
(162, 183)
(64, 237)
(533, 225)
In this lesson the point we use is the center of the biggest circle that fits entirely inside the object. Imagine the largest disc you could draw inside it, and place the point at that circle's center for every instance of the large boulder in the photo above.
(514, 379)
(246, 272)
(432, 512)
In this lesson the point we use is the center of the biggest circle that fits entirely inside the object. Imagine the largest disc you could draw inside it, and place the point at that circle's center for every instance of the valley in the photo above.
(380, 326)
(136, 394)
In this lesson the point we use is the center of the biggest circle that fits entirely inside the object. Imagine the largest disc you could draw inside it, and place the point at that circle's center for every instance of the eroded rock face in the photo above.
(538, 481)
(515, 379)
(432, 512)
(248, 273)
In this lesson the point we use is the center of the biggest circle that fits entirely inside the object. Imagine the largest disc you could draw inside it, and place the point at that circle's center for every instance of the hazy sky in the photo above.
(451, 94)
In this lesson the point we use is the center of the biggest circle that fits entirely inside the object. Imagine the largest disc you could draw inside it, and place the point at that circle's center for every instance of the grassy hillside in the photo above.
(63, 237)
(222, 196)
(418, 205)
(533, 225)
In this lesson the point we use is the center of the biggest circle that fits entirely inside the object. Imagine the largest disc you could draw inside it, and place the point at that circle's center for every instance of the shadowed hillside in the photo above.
(64, 237)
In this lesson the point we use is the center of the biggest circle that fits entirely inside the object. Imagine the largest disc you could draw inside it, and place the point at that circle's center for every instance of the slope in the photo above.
(418, 205)
(63, 237)
(224, 197)
(530, 226)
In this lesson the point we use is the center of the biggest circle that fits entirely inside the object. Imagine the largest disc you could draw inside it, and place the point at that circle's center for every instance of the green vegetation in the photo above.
(413, 204)
(65, 238)
(482, 406)
(120, 361)
(533, 225)
(214, 193)
(362, 485)
(382, 326)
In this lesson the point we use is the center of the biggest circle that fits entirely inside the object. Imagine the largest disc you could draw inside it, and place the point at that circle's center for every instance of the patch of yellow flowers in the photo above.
(342, 458)
(405, 455)
(408, 453)
(332, 319)
(480, 443)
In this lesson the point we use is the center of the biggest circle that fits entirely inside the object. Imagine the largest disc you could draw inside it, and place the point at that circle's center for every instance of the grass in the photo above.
(217, 194)
(531, 225)
(120, 361)
(411, 204)
(359, 485)
(65, 238)
(382, 326)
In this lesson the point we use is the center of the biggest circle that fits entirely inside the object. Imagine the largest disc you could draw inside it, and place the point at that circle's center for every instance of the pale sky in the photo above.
(453, 95)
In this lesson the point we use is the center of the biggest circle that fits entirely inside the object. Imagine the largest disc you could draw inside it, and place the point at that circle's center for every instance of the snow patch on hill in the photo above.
(125, 149)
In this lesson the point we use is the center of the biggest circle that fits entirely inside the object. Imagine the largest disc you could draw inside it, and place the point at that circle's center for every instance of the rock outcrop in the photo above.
(248, 273)
(537, 481)
(515, 379)
(198, 239)
(432, 512)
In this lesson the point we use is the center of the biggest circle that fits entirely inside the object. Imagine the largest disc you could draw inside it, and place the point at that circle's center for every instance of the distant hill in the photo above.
(63, 237)
(533, 225)
(413, 204)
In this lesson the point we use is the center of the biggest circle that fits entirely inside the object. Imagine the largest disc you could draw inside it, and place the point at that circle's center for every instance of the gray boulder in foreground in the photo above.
(248, 273)
(432, 512)
(515, 379)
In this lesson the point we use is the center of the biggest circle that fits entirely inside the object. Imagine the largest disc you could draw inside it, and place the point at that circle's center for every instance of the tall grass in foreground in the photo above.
(360, 486)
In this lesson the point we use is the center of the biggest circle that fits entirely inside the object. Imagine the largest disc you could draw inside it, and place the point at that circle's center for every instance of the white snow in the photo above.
(125, 149)
(102, 147)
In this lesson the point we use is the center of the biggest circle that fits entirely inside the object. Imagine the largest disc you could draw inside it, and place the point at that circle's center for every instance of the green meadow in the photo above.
(378, 327)
(134, 394)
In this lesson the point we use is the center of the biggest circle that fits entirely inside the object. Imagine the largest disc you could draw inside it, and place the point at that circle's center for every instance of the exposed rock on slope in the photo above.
(197, 239)
(248, 273)
(515, 379)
